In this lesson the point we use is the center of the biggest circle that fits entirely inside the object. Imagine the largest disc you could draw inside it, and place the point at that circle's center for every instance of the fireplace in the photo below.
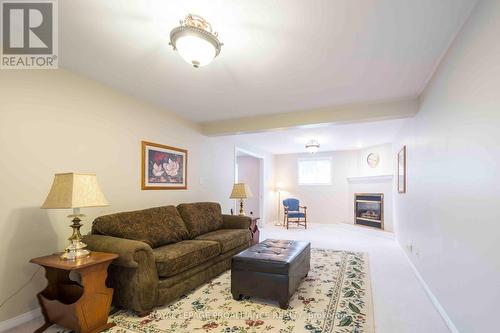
(369, 209)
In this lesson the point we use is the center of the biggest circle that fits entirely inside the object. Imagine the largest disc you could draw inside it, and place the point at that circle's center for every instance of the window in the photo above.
(315, 171)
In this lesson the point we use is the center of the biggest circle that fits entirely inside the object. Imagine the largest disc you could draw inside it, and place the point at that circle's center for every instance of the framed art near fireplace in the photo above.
(163, 167)
(402, 170)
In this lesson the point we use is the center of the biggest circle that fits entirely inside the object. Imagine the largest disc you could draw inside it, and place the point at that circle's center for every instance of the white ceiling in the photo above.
(330, 137)
(278, 56)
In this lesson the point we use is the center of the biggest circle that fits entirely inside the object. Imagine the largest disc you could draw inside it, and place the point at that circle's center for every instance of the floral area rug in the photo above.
(334, 298)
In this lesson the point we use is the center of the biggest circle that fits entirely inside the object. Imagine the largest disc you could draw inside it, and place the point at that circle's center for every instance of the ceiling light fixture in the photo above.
(312, 146)
(195, 41)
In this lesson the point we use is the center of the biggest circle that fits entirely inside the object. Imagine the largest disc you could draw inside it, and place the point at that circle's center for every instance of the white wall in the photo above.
(55, 121)
(325, 203)
(450, 213)
(335, 203)
(249, 173)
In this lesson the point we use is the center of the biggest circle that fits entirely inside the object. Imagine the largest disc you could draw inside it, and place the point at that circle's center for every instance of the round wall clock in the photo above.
(373, 159)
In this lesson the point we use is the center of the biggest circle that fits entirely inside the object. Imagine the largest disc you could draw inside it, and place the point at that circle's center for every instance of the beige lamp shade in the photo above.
(75, 190)
(241, 191)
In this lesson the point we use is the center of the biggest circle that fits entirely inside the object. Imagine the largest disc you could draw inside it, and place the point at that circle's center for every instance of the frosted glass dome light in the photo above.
(195, 41)
(312, 146)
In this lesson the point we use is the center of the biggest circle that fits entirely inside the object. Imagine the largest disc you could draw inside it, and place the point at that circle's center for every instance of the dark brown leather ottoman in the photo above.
(272, 269)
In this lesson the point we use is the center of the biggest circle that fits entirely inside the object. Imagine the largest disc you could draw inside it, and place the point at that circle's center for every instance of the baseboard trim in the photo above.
(429, 292)
(19, 320)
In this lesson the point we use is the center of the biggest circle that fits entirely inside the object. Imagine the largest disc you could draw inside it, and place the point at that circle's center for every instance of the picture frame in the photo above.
(402, 170)
(163, 167)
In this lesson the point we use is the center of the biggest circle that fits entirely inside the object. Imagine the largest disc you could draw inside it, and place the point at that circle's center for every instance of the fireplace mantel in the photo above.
(369, 179)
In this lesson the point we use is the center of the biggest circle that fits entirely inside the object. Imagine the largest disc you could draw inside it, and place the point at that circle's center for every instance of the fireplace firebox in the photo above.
(369, 209)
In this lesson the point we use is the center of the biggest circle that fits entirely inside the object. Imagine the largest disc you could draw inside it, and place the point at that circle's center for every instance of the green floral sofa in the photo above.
(166, 251)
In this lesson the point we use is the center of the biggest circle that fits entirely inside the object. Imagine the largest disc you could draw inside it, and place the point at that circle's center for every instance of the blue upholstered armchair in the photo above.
(293, 213)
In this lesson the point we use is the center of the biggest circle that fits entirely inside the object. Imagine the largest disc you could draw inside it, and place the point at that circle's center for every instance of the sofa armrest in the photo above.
(125, 248)
(133, 275)
(236, 222)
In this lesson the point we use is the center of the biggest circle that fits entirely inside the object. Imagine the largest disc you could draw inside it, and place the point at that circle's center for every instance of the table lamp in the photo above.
(75, 190)
(241, 191)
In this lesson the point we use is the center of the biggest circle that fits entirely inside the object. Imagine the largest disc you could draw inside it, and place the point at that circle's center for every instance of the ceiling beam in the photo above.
(342, 114)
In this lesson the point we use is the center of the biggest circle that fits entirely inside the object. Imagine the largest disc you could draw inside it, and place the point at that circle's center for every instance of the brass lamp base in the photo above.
(242, 212)
(75, 251)
(76, 248)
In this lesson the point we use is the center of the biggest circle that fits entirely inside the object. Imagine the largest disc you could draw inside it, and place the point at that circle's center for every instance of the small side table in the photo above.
(81, 307)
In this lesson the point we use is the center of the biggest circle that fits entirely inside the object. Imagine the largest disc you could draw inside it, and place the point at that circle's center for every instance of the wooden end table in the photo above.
(84, 306)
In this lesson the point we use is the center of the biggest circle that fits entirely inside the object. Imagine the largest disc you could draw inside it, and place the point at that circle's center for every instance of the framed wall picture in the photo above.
(163, 167)
(402, 170)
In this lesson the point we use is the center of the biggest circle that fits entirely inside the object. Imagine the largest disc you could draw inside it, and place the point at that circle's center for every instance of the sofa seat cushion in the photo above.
(201, 217)
(176, 258)
(154, 226)
(228, 238)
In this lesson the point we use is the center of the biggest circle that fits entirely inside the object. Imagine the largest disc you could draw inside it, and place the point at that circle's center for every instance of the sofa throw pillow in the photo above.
(154, 226)
(201, 217)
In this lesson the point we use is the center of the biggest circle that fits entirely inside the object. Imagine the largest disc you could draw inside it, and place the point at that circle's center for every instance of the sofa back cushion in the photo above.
(154, 226)
(201, 217)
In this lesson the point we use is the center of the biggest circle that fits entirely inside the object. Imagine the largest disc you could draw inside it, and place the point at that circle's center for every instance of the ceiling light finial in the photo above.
(195, 41)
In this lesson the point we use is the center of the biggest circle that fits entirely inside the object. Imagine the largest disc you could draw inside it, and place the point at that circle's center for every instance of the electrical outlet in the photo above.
(409, 247)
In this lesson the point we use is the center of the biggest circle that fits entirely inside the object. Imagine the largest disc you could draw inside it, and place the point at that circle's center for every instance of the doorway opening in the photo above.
(248, 169)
